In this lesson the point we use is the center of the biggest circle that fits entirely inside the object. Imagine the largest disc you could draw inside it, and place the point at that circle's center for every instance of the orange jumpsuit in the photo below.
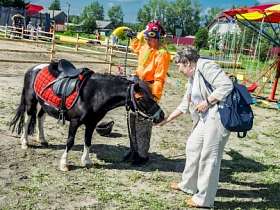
(153, 65)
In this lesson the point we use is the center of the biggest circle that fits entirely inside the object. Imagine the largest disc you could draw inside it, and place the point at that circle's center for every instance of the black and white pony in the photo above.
(100, 94)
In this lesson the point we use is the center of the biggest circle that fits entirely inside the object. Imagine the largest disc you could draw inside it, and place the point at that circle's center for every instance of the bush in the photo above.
(201, 38)
(89, 25)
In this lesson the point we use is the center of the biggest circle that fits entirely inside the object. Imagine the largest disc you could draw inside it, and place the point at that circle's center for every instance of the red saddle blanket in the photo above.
(43, 89)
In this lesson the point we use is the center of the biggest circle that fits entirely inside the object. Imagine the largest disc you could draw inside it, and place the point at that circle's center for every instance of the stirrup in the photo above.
(61, 117)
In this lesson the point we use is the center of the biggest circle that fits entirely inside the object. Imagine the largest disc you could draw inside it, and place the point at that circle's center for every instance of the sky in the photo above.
(131, 7)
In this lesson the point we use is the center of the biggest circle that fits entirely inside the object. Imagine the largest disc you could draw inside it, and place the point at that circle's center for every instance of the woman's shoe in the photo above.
(191, 204)
(175, 186)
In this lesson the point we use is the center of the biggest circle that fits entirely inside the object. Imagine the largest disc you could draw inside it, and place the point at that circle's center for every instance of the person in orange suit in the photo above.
(153, 65)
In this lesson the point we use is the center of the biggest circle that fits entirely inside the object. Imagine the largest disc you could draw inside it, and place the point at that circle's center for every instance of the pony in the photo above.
(100, 93)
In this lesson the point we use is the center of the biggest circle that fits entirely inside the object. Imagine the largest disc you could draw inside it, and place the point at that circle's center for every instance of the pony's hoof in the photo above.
(24, 146)
(45, 144)
(140, 161)
(64, 168)
(87, 163)
(128, 157)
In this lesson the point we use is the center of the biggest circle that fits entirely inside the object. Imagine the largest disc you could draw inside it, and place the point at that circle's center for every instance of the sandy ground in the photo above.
(30, 179)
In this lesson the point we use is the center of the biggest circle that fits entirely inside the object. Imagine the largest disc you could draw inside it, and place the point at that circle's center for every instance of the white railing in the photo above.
(22, 33)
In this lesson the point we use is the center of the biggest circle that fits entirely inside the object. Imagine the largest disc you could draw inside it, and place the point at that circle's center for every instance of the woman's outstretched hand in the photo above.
(171, 117)
(162, 123)
(202, 106)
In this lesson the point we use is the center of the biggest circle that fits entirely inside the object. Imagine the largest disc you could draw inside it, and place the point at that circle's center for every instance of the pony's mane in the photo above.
(53, 69)
(108, 76)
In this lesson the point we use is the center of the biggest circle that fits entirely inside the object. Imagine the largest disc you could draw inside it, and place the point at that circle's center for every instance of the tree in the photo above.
(89, 25)
(90, 14)
(93, 11)
(55, 5)
(144, 15)
(13, 3)
(115, 14)
(154, 10)
(211, 15)
(201, 38)
(74, 19)
(185, 15)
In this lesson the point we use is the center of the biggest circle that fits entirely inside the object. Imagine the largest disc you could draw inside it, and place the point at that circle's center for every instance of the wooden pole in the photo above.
(22, 32)
(53, 44)
(110, 60)
(25, 40)
(107, 48)
(271, 68)
(125, 59)
(77, 42)
(271, 97)
(25, 51)
(6, 28)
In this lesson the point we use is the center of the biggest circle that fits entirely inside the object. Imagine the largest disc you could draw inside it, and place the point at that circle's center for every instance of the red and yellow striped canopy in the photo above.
(269, 13)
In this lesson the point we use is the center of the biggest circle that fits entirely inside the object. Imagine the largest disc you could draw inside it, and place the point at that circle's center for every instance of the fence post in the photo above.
(6, 28)
(77, 42)
(53, 45)
(107, 47)
(110, 60)
(22, 32)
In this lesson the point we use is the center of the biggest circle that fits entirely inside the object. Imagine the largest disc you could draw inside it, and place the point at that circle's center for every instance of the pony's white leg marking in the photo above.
(86, 161)
(64, 161)
(41, 134)
(24, 137)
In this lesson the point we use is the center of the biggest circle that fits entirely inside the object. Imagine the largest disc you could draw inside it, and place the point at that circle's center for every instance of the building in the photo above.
(187, 40)
(30, 13)
(6, 14)
(59, 17)
(104, 27)
(223, 25)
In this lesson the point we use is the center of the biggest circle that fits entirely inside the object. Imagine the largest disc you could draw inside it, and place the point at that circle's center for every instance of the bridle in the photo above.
(131, 104)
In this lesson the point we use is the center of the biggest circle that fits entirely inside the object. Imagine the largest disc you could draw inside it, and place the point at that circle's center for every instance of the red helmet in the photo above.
(154, 29)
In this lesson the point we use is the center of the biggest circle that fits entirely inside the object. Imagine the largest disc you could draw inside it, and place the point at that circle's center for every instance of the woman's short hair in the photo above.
(189, 54)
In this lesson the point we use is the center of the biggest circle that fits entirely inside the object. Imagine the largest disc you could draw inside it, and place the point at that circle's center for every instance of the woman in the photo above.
(206, 143)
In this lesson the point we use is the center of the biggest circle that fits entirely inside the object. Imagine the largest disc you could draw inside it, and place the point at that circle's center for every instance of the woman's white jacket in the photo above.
(219, 81)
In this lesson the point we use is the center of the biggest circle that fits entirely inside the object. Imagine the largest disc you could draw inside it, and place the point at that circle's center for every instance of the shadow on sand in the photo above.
(267, 195)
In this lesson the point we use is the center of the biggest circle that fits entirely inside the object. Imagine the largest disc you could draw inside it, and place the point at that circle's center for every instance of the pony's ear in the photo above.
(143, 88)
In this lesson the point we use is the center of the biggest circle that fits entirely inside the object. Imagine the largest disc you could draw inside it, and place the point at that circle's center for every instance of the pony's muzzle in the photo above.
(158, 116)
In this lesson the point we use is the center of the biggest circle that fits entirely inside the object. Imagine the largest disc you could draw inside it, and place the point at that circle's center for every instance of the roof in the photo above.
(101, 24)
(222, 27)
(32, 9)
(54, 13)
(269, 13)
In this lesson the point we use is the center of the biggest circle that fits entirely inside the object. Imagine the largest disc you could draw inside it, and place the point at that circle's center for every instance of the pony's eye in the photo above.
(138, 95)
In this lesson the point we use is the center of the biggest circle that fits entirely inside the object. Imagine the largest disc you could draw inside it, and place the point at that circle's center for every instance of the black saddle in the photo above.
(67, 80)
(67, 69)
(64, 86)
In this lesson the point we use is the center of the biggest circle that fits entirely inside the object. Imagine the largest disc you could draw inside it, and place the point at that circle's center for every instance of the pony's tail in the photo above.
(17, 123)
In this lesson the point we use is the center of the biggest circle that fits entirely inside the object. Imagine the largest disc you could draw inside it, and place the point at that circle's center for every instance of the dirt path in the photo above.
(31, 180)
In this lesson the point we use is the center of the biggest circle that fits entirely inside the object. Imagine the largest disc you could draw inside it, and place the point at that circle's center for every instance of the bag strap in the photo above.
(208, 85)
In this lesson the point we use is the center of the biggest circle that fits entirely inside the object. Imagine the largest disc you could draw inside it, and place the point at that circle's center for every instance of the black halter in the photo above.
(131, 104)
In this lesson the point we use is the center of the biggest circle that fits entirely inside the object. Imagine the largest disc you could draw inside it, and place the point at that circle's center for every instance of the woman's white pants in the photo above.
(204, 152)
